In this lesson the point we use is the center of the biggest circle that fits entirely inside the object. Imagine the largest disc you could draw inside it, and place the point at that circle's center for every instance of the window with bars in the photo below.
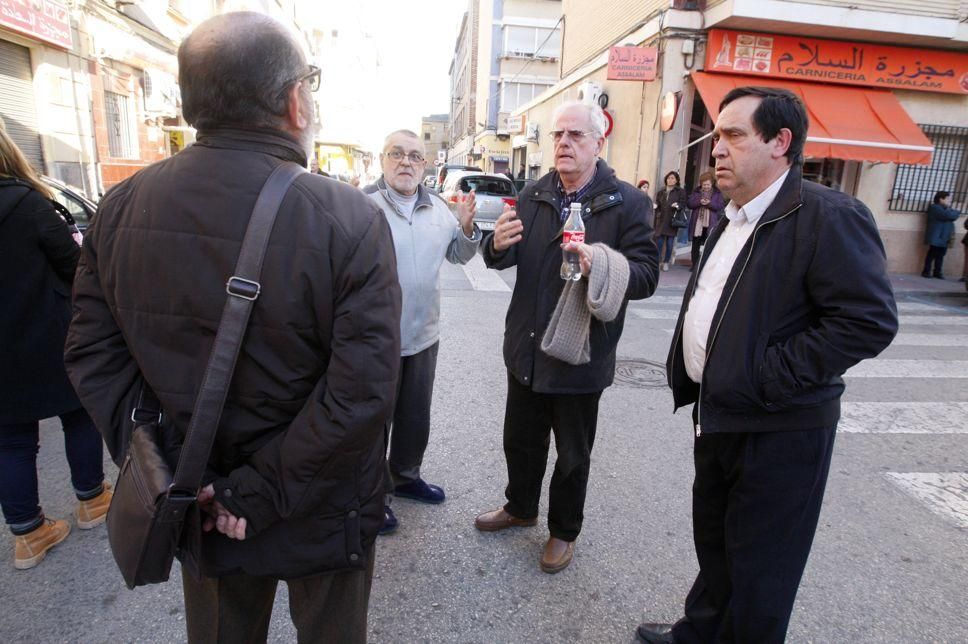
(916, 185)
(122, 137)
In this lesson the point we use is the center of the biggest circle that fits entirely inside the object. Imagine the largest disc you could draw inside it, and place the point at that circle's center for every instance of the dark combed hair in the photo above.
(941, 194)
(778, 109)
(671, 173)
(234, 70)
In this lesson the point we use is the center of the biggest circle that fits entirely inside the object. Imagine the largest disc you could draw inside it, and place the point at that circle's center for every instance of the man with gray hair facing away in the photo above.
(547, 391)
(294, 484)
(425, 232)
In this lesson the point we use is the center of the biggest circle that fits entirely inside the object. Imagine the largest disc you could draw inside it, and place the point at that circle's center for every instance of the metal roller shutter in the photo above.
(17, 101)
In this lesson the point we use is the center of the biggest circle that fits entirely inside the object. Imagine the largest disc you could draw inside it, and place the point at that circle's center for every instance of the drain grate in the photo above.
(644, 374)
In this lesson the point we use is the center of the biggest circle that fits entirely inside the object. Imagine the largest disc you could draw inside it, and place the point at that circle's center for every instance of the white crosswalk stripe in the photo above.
(904, 418)
(656, 314)
(933, 320)
(945, 493)
(930, 340)
(887, 368)
(482, 278)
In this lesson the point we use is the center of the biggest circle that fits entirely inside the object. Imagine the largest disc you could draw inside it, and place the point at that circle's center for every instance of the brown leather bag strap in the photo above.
(243, 289)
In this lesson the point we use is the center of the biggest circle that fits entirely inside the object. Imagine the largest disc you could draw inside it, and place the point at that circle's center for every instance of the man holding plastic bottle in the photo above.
(547, 394)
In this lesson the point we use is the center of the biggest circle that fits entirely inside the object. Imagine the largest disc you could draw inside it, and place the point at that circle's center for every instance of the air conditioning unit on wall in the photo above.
(588, 92)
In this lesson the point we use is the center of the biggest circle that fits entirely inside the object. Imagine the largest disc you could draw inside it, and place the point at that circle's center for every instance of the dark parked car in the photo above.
(492, 191)
(80, 207)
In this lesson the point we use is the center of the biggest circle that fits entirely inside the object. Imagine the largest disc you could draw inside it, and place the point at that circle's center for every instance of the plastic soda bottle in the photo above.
(574, 231)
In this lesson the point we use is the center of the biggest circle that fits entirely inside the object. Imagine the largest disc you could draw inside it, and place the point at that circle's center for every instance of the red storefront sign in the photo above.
(837, 61)
(41, 19)
(632, 63)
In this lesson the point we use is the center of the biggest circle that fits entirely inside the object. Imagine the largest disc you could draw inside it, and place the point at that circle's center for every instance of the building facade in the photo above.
(885, 83)
(89, 88)
(435, 130)
(507, 53)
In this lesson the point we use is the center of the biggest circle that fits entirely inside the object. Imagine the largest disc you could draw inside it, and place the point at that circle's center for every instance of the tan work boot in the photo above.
(93, 512)
(31, 548)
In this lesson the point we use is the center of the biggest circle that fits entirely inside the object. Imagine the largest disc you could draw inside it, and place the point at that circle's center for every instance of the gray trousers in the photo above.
(411, 415)
(237, 608)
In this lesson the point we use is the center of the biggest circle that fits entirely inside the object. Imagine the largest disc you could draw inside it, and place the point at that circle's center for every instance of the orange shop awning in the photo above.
(851, 123)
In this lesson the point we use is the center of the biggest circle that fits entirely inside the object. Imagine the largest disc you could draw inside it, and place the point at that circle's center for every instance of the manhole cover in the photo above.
(640, 373)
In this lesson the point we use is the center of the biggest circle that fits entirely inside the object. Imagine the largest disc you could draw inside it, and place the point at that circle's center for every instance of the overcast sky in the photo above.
(415, 42)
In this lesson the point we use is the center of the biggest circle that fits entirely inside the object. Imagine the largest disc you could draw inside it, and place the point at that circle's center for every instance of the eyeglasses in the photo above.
(574, 135)
(311, 78)
(399, 155)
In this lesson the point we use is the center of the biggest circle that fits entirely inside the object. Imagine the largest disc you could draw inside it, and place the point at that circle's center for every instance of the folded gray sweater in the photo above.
(601, 295)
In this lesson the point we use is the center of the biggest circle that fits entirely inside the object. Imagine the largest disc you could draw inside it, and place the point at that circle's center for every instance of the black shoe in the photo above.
(926, 274)
(938, 276)
(654, 634)
(390, 522)
(422, 491)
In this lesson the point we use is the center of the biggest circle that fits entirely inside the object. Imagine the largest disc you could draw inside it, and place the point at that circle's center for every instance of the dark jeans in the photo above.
(411, 415)
(19, 444)
(697, 243)
(667, 244)
(935, 256)
(755, 502)
(529, 419)
(237, 608)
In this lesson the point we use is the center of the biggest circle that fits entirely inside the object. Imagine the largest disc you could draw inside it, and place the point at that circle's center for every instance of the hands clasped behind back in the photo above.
(507, 230)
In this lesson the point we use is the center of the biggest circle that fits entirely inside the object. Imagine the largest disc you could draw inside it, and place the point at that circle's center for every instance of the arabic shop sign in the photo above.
(42, 19)
(632, 63)
(836, 61)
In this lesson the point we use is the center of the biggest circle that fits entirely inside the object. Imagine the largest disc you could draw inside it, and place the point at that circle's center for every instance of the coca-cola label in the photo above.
(577, 236)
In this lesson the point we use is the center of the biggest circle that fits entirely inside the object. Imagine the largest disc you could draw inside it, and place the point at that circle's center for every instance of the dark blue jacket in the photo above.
(807, 299)
(614, 213)
(37, 262)
(940, 225)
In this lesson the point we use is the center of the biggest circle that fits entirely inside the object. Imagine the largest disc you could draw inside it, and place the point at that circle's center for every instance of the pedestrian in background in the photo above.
(37, 261)
(670, 200)
(547, 394)
(796, 278)
(706, 204)
(425, 233)
(294, 485)
(937, 235)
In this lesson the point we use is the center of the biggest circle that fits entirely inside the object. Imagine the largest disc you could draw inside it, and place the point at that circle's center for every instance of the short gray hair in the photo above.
(409, 133)
(596, 117)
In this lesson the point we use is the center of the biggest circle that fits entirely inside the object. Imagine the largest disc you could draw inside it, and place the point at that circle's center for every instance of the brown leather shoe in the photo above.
(499, 520)
(557, 555)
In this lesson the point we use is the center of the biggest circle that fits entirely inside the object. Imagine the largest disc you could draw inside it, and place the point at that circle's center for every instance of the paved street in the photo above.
(889, 563)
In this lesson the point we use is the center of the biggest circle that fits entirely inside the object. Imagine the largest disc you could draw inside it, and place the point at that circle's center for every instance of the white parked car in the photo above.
(493, 192)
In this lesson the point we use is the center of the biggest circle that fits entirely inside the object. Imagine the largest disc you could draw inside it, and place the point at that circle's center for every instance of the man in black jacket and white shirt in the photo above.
(791, 291)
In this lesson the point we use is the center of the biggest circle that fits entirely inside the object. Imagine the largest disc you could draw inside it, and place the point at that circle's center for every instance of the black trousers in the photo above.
(529, 419)
(411, 415)
(697, 243)
(236, 609)
(934, 257)
(756, 502)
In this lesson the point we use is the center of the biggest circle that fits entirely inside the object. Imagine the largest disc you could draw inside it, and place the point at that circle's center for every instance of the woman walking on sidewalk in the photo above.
(37, 261)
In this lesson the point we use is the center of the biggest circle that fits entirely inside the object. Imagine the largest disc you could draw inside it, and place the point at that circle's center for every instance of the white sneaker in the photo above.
(665, 266)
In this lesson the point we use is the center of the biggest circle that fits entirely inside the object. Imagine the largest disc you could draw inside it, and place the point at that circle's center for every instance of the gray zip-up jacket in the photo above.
(422, 242)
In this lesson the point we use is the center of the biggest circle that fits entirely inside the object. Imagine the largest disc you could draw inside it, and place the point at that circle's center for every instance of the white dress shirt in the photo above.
(715, 272)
